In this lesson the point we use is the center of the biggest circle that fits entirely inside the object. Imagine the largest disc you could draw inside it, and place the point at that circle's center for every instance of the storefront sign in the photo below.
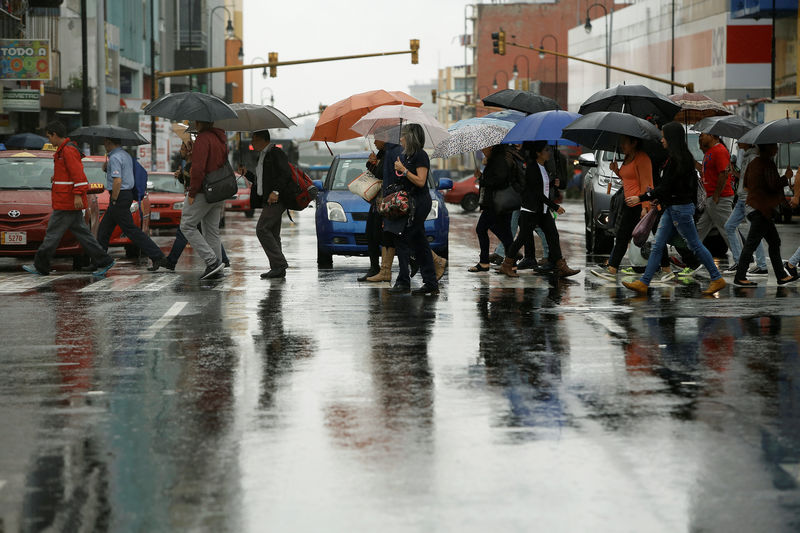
(24, 59)
(21, 100)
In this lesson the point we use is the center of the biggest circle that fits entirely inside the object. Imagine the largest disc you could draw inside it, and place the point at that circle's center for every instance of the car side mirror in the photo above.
(317, 184)
(445, 184)
(587, 160)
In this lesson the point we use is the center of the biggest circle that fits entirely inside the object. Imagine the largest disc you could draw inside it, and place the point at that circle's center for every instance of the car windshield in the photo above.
(164, 183)
(94, 171)
(347, 169)
(25, 173)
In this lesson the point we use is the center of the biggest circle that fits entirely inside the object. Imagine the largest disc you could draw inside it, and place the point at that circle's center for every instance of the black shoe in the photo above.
(744, 283)
(785, 281)
(168, 264)
(371, 272)
(157, 262)
(527, 263)
(792, 271)
(275, 273)
(414, 269)
(426, 289)
(400, 288)
(213, 271)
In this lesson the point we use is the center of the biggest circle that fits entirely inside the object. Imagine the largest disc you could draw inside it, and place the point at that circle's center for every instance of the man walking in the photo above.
(716, 180)
(68, 195)
(209, 153)
(273, 181)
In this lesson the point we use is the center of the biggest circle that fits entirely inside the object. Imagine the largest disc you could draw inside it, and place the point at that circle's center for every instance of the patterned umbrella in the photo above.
(697, 106)
(470, 138)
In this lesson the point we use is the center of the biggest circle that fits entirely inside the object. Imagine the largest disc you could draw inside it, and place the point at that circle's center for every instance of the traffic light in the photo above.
(273, 69)
(414, 51)
(499, 42)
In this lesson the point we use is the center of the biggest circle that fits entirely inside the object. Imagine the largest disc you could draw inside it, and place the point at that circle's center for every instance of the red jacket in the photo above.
(208, 154)
(69, 179)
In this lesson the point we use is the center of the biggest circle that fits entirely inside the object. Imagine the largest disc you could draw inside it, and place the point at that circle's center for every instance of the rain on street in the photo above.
(156, 402)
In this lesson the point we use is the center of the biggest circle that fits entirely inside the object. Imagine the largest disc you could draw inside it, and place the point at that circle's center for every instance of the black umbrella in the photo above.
(732, 126)
(636, 100)
(783, 130)
(29, 141)
(524, 101)
(190, 106)
(601, 131)
(106, 131)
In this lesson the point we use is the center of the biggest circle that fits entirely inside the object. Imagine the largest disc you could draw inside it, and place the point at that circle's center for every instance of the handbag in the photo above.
(506, 200)
(220, 184)
(366, 185)
(642, 230)
(395, 205)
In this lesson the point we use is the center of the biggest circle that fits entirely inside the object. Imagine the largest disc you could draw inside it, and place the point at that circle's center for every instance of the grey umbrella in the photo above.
(252, 117)
(601, 131)
(106, 131)
(783, 130)
(636, 100)
(732, 126)
(190, 106)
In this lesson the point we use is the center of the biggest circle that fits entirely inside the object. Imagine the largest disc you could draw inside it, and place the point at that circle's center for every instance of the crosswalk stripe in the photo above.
(25, 282)
(171, 313)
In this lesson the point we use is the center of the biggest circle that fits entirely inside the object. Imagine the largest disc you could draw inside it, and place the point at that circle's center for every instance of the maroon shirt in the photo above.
(208, 154)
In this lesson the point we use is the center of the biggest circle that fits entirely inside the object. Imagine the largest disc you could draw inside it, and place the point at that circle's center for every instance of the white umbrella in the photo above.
(385, 124)
(252, 117)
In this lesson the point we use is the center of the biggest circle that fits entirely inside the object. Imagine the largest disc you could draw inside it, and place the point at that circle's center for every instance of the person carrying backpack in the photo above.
(120, 184)
(272, 184)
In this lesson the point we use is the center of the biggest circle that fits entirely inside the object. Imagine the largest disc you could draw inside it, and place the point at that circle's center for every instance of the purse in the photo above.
(395, 205)
(220, 184)
(642, 230)
(506, 200)
(366, 185)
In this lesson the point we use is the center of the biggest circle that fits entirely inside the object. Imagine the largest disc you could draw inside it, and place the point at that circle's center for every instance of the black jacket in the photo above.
(675, 187)
(533, 197)
(277, 176)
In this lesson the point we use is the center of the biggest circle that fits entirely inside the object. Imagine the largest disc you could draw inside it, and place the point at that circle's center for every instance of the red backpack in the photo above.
(304, 191)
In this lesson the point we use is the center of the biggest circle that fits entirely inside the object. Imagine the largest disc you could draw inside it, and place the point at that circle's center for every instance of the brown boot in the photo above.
(385, 274)
(438, 265)
(563, 270)
(507, 268)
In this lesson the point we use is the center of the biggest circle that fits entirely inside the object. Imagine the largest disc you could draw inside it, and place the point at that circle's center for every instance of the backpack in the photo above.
(139, 180)
(303, 190)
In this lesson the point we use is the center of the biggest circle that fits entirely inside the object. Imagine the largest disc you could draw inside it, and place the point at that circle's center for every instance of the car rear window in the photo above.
(164, 183)
(346, 171)
(26, 173)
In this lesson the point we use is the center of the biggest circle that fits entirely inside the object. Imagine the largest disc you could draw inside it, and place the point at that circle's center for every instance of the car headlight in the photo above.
(244, 197)
(434, 212)
(336, 212)
(134, 207)
(603, 180)
(177, 205)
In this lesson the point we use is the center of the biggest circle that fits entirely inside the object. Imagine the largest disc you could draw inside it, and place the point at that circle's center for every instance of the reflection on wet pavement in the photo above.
(154, 402)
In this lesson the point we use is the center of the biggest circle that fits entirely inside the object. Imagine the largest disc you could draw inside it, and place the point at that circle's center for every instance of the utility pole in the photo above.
(85, 69)
(153, 148)
(100, 46)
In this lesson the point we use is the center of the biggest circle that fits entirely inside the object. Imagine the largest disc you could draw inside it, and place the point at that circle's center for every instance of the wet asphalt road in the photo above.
(155, 402)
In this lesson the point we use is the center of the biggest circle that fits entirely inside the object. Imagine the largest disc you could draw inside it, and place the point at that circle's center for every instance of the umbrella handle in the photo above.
(328, 147)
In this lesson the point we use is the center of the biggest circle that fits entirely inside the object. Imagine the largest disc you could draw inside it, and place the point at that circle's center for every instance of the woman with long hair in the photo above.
(676, 193)
(412, 168)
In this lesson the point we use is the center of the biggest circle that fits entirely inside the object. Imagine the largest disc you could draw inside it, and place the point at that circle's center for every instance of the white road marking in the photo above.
(114, 283)
(25, 282)
(605, 322)
(162, 282)
(171, 313)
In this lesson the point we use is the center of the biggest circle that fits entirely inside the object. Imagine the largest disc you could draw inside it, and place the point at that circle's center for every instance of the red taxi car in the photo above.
(93, 166)
(25, 205)
(166, 200)
(241, 202)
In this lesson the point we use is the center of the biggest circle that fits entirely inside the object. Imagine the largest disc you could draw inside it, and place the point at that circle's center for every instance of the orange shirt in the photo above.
(637, 176)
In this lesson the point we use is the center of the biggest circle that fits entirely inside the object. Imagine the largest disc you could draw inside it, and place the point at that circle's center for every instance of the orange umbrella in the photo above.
(335, 122)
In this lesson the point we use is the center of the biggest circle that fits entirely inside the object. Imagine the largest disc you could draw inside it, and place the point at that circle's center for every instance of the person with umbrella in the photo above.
(718, 184)
(675, 192)
(120, 185)
(69, 200)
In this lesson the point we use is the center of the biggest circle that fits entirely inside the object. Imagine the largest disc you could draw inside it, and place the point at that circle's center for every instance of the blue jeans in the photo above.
(736, 220)
(795, 259)
(678, 218)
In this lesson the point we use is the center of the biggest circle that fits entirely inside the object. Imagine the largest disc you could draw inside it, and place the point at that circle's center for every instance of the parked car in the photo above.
(241, 202)
(464, 192)
(166, 199)
(93, 167)
(25, 205)
(341, 216)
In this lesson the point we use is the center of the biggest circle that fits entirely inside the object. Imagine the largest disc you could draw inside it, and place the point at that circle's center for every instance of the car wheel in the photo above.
(250, 213)
(469, 202)
(131, 251)
(324, 259)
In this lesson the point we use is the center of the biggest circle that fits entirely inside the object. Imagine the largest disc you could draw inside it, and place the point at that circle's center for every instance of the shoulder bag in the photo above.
(220, 184)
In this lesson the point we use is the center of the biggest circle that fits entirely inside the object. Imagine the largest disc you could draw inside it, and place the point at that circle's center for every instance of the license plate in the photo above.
(228, 205)
(155, 216)
(13, 237)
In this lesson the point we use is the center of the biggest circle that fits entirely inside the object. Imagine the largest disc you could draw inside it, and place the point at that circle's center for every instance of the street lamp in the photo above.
(271, 96)
(541, 56)
(494, 82)
(527, 69)
(588, 28)
(229, 34)
(263, 75)
(241, 54)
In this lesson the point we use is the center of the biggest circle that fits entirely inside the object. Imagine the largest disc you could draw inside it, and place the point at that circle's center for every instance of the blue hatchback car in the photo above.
(341, 216)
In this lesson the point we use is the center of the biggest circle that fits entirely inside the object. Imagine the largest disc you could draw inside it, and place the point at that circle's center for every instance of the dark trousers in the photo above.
(119, 214)
(761, 227)
(60, 222)
(374, 238)
(413, 241)
(181, 242)
(527, 223)
(629, 217)
(497, 223)
(268, 231)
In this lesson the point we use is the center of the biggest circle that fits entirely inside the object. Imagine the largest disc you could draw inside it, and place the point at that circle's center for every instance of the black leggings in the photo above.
(527, 223)
(761, 227)
(630, 216)
(499, 224)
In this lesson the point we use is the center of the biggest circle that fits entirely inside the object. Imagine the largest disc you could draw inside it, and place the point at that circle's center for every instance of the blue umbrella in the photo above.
(543, 126)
